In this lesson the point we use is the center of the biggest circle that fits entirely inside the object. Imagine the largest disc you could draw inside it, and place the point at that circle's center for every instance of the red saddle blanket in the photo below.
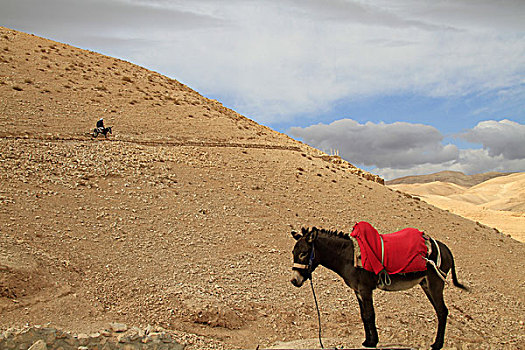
(404, 251)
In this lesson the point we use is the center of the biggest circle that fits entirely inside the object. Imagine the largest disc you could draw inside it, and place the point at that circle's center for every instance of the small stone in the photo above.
(141, 333)
(39, 345)
(155, 337)
(95, 335)
(123, 338)
(71, 340)
(166, 338)
(149, 329)
(83, 339)
(118, 327)
(61, 334)
(135, 334)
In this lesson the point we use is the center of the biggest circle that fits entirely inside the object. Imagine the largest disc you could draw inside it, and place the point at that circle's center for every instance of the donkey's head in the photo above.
(303, 256)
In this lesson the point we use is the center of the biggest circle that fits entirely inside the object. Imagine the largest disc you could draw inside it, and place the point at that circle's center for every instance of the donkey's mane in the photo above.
(332, 233)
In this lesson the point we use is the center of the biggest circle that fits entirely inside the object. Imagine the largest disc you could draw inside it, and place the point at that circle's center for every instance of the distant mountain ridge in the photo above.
(455, 177)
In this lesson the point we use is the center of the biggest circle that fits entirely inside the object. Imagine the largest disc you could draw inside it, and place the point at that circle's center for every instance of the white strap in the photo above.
(437, 265)
(300, 266)
(382, 252)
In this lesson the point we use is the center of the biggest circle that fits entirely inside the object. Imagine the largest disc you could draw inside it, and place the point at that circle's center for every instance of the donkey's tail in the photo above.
(455, 279)
(454, 275)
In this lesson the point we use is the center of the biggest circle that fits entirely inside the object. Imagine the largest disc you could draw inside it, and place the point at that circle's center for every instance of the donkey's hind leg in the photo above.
(433, 287)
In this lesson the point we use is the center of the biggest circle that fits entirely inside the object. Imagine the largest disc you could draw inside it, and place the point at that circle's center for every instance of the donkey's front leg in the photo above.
(368, 316)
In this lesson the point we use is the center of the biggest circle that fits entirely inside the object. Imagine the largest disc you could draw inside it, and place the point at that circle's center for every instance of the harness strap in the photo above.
(438, 260)
(300, 266)
(310, 262)
(437, 265)
(382, 251)
(440, 273)
(312, 256)
(384, 277)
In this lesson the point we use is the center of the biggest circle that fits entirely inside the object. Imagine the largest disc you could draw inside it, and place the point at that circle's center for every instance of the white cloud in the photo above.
(470, 161)
(401, 149)
(505, 138)
(295, 58)
(463, 14)
(287, 59)
(400, 145)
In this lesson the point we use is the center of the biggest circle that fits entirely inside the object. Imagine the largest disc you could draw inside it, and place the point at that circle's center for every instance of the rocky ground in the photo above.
(115, 336)
(182, 218)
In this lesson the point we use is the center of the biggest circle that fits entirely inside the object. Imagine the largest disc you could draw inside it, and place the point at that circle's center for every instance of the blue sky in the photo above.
(434, 85)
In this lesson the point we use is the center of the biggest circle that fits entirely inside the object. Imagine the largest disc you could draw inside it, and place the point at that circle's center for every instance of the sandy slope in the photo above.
(501, 193)
(182, 218)
(498, 202)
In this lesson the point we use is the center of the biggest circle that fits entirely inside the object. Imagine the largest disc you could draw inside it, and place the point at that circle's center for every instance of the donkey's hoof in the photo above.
(436, 346)
(369, 344)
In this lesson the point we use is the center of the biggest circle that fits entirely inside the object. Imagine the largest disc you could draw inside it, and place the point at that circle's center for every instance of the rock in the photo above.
(39, 345)
(83, 339)
(154, 337)
(95, 335)
(118, 327)
(123, 338)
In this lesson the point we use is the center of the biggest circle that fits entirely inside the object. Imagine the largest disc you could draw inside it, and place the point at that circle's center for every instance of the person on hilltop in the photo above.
(101, 129)
(100, 124)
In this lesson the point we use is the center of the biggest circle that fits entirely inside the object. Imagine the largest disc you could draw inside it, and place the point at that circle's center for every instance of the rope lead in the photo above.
(318, 313)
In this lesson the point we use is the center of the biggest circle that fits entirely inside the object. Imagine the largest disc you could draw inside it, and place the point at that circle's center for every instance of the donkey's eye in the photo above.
(302, 256)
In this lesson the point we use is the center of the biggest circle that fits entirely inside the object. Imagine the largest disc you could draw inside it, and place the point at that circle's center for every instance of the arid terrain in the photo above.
(182, 218)
(498, 202)
(454, 177)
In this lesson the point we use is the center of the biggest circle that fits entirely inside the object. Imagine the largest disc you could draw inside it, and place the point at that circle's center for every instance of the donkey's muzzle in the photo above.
(297, 279)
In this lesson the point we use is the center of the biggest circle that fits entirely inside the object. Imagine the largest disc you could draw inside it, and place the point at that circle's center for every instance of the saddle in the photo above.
(398, 252)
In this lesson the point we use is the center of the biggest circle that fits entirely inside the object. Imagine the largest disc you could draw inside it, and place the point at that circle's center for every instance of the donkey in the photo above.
(335, 251)
(103, 131)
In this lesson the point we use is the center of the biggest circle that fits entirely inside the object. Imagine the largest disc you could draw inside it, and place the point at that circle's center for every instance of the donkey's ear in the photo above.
(312, 236)
(296, 235)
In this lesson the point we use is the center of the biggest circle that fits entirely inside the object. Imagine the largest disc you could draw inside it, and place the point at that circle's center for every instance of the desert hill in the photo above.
(498, 202)
(182, 218)
(447, 176)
